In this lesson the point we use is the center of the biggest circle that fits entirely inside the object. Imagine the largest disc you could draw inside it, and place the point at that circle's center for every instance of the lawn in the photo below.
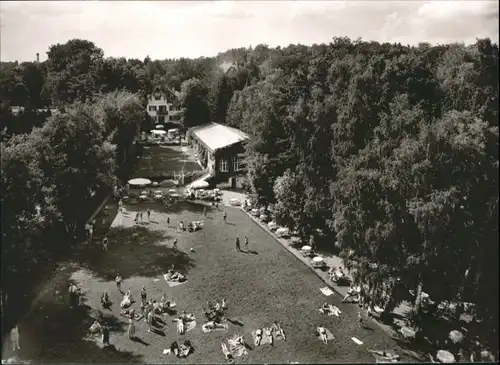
(164, 161)
(263, 286)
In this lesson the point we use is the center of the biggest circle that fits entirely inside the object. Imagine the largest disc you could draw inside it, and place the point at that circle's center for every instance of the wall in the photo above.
(227, 154)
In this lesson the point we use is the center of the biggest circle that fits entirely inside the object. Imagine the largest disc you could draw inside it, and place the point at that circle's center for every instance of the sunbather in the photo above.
(269, 334)
(323, 335)
(185, 349)
(224, 304)
(258, 337)
(386, 355)
(174, 348)
(279, 331)
(96, 328)
(126, 302)
(227, 354)
(181, 328)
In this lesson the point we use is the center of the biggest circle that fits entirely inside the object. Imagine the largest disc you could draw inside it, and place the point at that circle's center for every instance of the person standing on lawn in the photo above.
(131, 329)
(246, 243)
(360, 319)
(168, 220)
(238, 248)
(105, 335)
(149, 214)
(224, 216)
(14, 338)
(118, 281)
(204, 211)
(175, 244)
(143, 294)
(105, 243)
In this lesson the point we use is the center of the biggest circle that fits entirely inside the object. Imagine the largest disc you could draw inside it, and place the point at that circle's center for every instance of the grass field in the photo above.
(165, 160)
(262, 286)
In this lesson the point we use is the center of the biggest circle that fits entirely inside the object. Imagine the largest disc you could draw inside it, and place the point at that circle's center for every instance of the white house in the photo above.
(161, 106)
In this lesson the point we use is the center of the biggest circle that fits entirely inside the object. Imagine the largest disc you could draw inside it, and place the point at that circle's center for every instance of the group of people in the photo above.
(269, 333)
(139, 215)
(100, 329)
(238, 245)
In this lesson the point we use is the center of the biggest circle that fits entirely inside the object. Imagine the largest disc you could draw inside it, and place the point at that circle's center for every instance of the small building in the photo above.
(219, 148)
(163, 106)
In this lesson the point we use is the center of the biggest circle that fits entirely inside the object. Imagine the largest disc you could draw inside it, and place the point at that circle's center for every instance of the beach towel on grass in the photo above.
(265, 337)
(329, 335)
(357, 341)
(173, 283)
(236, 348)
(326, 291)
(220, 327)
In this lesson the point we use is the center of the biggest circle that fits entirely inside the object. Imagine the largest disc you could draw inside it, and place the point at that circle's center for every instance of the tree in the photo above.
(76, 161)
(74, 70)
(194, 104)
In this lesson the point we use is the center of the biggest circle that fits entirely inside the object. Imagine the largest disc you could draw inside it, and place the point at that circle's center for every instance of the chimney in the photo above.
(37, 57)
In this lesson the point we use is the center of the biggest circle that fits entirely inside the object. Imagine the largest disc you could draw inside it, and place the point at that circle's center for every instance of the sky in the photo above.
(174, 29)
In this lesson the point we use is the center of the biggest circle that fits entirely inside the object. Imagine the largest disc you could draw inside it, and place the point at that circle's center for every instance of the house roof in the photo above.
(217, 136)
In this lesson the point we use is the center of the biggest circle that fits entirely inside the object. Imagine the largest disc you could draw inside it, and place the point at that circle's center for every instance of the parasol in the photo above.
(158, 131)
(139, 181)
(143, 197)
(158, 192)
(445, 357)
(306, 248)
(317, 259)
(159, 126)
(456, 336)
(155, 184)
(200, 184)
(144, 192)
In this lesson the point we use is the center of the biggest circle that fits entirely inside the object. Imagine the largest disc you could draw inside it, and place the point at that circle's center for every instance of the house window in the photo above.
(236, 164)
(163, 109)
(223, 166)
(152, 108)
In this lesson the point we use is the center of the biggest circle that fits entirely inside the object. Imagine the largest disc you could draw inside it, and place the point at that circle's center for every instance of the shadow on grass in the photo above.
(235, 322)
(134, 251)
(139, 340)
(61, 332)
(252, 252)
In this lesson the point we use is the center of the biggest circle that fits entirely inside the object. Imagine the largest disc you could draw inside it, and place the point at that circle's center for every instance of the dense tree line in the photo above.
(387, 152)
(391, 151)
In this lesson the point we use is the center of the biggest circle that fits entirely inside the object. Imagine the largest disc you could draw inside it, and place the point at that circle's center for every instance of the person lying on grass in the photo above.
(269, 334)
(96, 328)
(127, 301)
(130, 313)
(352, 292)
(279, 331)
(175, 276)
(227, 354)
(323, 335)
(331, 310)
(187, 317)
(185, 349)
(212, 326)
(386, 355)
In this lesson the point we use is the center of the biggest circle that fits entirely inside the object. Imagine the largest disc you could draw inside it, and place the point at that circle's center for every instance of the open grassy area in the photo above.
(262, 286)
(165, 160)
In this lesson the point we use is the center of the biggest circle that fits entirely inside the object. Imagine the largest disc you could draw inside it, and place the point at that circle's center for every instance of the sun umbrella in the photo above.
(445, 357)
(175, 195)
(158, 131)
(139, 181)
(143, 197)
(144, 192)
(318, 259)
(155, 183)
(306, 248)
(172, 191)
(167, 183)
(456, 336)
(200, 184)
(159, 126)
(158, 192)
